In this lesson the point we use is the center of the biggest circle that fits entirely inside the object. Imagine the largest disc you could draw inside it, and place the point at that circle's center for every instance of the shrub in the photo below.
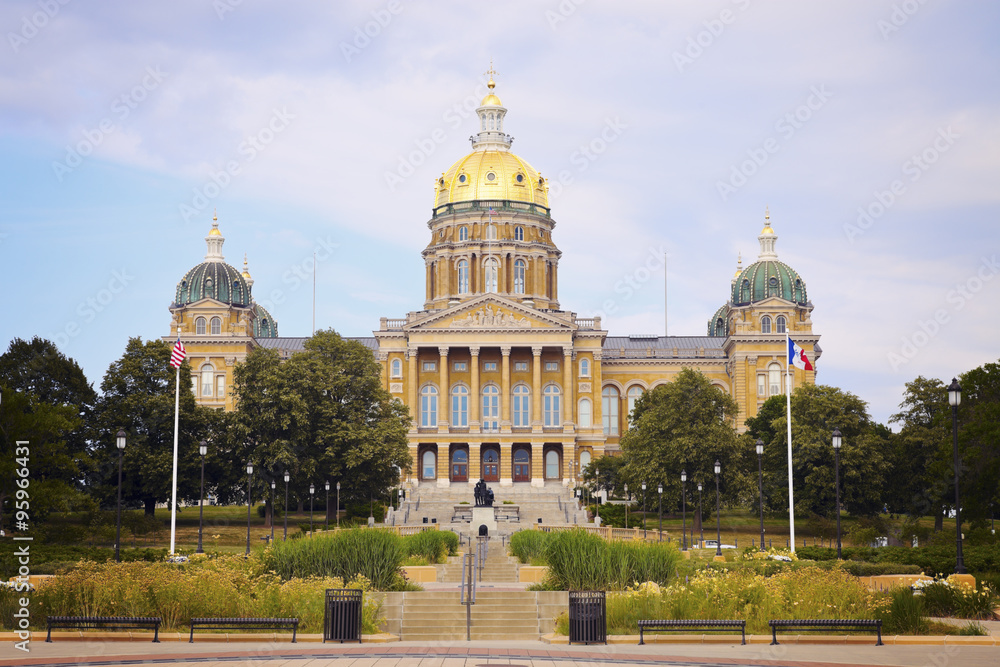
(62, 556)
(347, 554)
(932, 559)
(580, 561)
(905, 615)
(528, 546)
(433, 545)
(945, 598)
(862, 569)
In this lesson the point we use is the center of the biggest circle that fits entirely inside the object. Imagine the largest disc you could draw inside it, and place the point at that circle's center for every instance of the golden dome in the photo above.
(491, 174)
(767, 229)
(215, 232)
(491, 100)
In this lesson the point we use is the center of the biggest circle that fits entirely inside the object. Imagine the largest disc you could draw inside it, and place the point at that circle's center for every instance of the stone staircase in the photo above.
(497, 615)
(499, 567)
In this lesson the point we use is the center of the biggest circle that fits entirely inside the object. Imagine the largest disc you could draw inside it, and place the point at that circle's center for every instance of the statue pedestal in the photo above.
(483, 516)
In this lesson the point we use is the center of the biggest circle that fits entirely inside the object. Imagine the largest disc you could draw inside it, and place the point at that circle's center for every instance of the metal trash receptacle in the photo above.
(587, 617)
(342, 615)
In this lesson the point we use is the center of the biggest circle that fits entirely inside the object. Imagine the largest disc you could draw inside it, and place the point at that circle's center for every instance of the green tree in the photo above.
(138, 397)
(686, 424)
(979, 441)
(816, 411)
(601, 474)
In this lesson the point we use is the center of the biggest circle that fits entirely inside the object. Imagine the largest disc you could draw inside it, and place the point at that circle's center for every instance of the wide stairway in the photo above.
(497, 615)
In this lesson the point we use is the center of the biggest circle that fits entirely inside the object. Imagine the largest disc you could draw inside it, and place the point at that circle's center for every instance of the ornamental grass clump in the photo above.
(528, 546)
(376, 555)
(432, 545)
(580, 561)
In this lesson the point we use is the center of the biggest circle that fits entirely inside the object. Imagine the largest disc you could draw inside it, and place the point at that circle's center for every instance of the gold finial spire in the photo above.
(767, 221)
(491, 73)
(215, 214)
(767, 212)
(244, 262)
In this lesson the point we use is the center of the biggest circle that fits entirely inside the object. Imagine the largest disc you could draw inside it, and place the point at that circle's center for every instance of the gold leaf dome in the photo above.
(491, 174)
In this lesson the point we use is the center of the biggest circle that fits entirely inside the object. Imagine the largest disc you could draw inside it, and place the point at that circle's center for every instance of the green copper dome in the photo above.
(769, 278)
(264, 325)
(718, 326)
(213, 280)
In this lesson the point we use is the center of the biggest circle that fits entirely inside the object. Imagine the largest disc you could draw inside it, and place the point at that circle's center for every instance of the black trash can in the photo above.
(342, 617)
(587, 617)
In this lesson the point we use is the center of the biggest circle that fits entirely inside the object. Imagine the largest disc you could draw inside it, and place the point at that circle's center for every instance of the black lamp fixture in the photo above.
(684, 479)
(327, 486)
(287, 477)
(202, 450)
(760, 487)
(312, 495)
(659, 512)
(838, 440)
(954, 399)
(643, 510)
(120, 444)
(249, 502)
(338, 504)
(718, 521)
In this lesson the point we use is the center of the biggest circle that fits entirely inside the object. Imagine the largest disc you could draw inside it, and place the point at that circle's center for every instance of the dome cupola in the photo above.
(768, 277)
(213, 278)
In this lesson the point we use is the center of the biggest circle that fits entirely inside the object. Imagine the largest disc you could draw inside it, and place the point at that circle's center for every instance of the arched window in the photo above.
(491, 275)
(584, 413)
(491, 232)
(519, 277)
(491, 409)
(779, 324)
(774, 379)
(585, 368)
(397, 368)
(207, 379)
(216, 326)
(609, 410)
(428, 468)
(459, 405)
(634, 392)
(552, 467)
(522, 405)
(584, 460)
(491, 121)
(463, 276)
(765, 324)
(519, 233)
(463, 233)
(484, 121)
(429, 406)
(550, 401)
(199, 326)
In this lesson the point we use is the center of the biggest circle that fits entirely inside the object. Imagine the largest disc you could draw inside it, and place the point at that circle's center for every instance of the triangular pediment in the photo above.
(490, 312)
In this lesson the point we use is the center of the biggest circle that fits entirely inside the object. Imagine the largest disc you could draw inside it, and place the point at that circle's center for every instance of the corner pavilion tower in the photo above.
(502, 383)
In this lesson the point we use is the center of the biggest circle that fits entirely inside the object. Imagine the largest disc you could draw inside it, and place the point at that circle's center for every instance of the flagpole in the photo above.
(173, 492)
(788, 420)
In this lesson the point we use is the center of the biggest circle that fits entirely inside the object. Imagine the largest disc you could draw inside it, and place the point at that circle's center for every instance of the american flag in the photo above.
(177, 354)
(492, 212)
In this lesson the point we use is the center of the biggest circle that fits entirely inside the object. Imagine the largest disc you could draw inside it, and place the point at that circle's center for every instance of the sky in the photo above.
(870, 129)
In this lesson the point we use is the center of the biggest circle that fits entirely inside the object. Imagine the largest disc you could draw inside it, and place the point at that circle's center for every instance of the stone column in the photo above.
(536, 388)
(505, 389)
(598, 373)
(569, 409)
(474, 399)
(411, 380)
(444, 392)
(383, 360)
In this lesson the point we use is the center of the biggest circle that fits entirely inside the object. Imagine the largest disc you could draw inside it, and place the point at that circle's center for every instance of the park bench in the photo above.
(103, 623)
(245, 624)
(692, 624)
(816, 625)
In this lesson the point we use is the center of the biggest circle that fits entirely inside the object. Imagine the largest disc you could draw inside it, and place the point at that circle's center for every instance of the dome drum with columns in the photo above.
(501, 383)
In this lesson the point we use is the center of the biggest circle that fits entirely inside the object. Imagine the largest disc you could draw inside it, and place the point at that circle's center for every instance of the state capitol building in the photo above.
(501, 381)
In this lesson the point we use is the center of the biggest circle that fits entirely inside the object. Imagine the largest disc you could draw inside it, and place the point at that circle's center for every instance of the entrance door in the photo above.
(460, 466)
(491, 465)
(522, 466)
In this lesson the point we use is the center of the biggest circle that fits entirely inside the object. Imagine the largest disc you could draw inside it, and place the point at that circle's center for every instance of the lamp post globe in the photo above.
(120, 444)
(287, 477)
(837, 440)
(249, 502)
(684, 479)
(718, 521)
(202, 451)
(312, 495)
(760, 486)
(954, 399)
(659, 512)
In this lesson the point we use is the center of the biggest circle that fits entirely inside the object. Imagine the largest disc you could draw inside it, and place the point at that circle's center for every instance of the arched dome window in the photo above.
(216, 326)
(463, 233)
(463, 276)
(765, 324)
(492, 120)
(780, 324)
(491, 277)
(519, 268)
(428, 406)
(519, 230)
(199, 326)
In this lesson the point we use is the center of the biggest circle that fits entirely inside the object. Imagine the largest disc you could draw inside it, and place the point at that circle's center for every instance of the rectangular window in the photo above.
(762, 385)
(460, 366)
(430, 366)
(521, 366)
(551, 365)
(220, 386)
(489, 365)
(194, 384)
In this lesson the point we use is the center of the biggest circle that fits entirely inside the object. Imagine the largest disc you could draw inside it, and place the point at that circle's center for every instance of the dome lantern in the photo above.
(768, 277)
(214, 241)
(491, 113)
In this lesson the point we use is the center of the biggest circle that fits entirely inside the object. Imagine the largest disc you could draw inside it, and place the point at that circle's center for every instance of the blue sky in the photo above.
(123, 125)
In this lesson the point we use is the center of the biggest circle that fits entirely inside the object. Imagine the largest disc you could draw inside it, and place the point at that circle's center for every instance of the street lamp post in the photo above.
(120, 443)
(312, 495)
(837, 442)
(718, 521)
(701, 526)
(287, 477)
(684, 479)
(272, 509)
(643, 510)
(249, 502)
(954, 398)
(202, 450)
(338, 504)
(760, 487)
(327, 485)
(659, 512)
(626, 505)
